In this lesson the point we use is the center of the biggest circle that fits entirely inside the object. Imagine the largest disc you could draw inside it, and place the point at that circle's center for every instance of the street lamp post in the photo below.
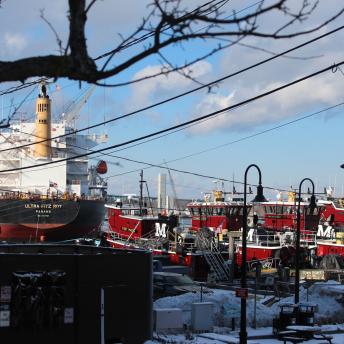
(259, 198)
(312, 205)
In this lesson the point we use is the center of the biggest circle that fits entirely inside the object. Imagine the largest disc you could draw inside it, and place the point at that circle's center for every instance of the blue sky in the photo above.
(309, 148)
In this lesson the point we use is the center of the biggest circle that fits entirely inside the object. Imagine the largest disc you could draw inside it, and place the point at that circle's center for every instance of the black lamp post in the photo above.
(312, 205)
(259, 198)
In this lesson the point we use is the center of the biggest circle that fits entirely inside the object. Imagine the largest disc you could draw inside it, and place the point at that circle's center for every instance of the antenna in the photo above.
(141, 191)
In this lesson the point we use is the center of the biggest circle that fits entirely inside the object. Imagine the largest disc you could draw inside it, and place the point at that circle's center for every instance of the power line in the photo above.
(166, 27)
(181, 94)
(21, 87)
(223, 145)
(207, 150)
(61, 88)
(184, 124)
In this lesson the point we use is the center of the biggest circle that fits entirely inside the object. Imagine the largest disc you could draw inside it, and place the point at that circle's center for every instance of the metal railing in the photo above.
(14, 195)
(151, 243)
(268, 240)
(213, 257)
(186, 247)
(308, 238)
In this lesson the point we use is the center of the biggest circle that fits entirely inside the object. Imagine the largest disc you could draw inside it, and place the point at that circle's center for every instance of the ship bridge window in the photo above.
(205, 211)
(289, 210)
(308, 211)
(192, 211)
(235, 211)
(197, 211)
(219, 211)
(279, 210)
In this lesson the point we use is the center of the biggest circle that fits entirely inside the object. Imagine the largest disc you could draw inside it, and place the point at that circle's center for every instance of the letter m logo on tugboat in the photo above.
(160, 230)
(327, 232)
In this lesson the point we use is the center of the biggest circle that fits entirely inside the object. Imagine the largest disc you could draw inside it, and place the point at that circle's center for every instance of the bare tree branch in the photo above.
(58, 39)
(90, 5)
(167, 24)
(171, 69)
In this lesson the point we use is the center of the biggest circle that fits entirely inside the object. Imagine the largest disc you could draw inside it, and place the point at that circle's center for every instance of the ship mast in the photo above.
(141, 192)
(43, 124)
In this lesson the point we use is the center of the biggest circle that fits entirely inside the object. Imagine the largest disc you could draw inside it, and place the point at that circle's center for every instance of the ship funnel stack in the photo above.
(43, 124)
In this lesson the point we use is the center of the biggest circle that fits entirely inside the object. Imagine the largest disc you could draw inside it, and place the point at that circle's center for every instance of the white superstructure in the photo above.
(72, 176)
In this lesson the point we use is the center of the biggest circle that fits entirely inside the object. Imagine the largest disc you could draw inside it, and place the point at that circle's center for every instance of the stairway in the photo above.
(213, 257)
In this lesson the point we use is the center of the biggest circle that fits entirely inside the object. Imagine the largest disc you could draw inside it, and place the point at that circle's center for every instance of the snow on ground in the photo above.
(329, 296)
(226, 306)
(338, 338)
(233, 337)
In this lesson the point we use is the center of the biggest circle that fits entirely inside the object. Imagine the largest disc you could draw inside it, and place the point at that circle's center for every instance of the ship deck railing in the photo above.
(41, 197)
(308, 238)
(151, 243)
(185, 247)
(266, 240)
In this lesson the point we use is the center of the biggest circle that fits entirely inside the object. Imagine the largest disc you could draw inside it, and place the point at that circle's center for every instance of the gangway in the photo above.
(213, 257)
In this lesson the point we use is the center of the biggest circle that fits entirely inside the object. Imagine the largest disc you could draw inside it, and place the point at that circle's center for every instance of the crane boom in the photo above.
(74, 112)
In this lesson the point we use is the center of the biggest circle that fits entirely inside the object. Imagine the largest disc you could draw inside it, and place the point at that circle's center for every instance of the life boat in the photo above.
(101, 167)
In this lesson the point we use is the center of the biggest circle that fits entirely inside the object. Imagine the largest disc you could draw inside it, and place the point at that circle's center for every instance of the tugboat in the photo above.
(275, 236)
(132, 224)
(330, 233)
(62, 201)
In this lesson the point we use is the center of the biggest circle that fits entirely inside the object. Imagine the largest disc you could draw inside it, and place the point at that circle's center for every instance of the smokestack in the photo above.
(43, 124)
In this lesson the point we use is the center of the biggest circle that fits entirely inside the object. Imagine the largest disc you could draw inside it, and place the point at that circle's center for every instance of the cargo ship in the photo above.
(60, 201)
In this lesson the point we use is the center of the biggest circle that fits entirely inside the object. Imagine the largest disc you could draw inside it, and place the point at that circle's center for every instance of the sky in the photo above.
(307, 148)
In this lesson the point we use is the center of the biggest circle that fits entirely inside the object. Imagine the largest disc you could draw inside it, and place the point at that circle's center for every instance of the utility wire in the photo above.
(197, 153)
(220, 146)
(166, 27)
(184, 124)
(184, 93)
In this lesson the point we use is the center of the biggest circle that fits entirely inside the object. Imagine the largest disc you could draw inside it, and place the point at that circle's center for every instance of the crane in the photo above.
(74, 110)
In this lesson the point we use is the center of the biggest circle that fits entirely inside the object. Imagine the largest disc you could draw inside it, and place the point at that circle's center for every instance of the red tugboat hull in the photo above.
(325, 248)
(257, 253)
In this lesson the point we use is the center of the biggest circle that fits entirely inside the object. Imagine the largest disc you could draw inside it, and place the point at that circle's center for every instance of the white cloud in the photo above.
(305, 97)
(294, 101)
(150, 89)
(14, 42)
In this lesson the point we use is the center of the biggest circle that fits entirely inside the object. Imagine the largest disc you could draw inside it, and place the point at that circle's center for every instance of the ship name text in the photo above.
(43, 206)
